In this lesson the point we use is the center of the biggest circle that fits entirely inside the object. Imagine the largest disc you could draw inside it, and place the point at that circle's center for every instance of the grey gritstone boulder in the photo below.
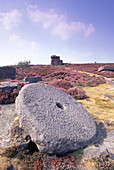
(93, 152)
(34, 79)
(56, 122)
(106, 68)
(7, 85)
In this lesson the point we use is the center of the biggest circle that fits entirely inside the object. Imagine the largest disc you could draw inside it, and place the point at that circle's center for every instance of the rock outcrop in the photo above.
(56, 122)
(7, 85)
(106, 148)
(7, 72)
(55, 60)
(106, 68)
(7, 115)
(34, 79)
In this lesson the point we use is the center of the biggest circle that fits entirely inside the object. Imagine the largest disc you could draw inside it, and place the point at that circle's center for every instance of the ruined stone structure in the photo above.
(7, 72)
(55, 60)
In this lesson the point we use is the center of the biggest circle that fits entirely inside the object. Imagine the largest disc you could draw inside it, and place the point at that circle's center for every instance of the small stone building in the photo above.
(55, 60)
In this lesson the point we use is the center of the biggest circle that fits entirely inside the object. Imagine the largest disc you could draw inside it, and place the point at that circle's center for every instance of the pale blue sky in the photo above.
(80, 31)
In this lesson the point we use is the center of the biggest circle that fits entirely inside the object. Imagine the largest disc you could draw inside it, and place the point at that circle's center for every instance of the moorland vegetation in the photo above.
(72, 79)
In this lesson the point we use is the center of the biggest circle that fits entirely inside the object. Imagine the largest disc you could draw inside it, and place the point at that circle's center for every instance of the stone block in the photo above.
(33, 79)
(7, 72)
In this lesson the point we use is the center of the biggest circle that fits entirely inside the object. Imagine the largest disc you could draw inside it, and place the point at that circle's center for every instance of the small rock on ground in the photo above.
(106, 148)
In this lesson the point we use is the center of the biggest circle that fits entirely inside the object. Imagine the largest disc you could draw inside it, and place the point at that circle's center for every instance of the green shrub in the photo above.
(23, 64)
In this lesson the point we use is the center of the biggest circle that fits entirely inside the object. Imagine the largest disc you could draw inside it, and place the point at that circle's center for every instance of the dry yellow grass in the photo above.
(4, 162)
(97, 104)
(86, 164)
(91, 74)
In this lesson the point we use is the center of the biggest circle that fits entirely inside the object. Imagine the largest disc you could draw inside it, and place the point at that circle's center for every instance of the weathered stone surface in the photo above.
(55, 60)
(106, 68)
(7, 72)
(106, 148)
(6, 119)
(110, 81)
(56, 122)
(7, 85)
(10, 131)
(93, 152)
(34, 79)
(109, 142)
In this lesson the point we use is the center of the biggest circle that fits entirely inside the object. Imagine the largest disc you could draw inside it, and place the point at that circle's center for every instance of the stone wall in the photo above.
(7, 72)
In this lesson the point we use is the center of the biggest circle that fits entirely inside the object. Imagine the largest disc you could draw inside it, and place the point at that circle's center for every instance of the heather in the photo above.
(92, 68)
(75, 78)
(67, 80)
(103, 162)
(41, 161)
(7, 97)
(60, 77)
(72, 82)
(33, 71)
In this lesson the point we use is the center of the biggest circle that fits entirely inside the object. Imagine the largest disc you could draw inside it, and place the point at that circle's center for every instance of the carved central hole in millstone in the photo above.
(59, 105)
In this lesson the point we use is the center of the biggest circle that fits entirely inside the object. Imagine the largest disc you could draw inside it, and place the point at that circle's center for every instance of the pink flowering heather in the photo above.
(103, 162)
(7, 97)
(61, 84)
(68, 163)
(92, 68)
(77, 93)
(63, 78)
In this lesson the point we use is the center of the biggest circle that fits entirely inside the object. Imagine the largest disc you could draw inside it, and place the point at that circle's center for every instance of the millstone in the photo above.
(56, 122)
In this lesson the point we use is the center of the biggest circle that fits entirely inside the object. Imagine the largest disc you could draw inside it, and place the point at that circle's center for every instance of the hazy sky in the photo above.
(80, 31)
